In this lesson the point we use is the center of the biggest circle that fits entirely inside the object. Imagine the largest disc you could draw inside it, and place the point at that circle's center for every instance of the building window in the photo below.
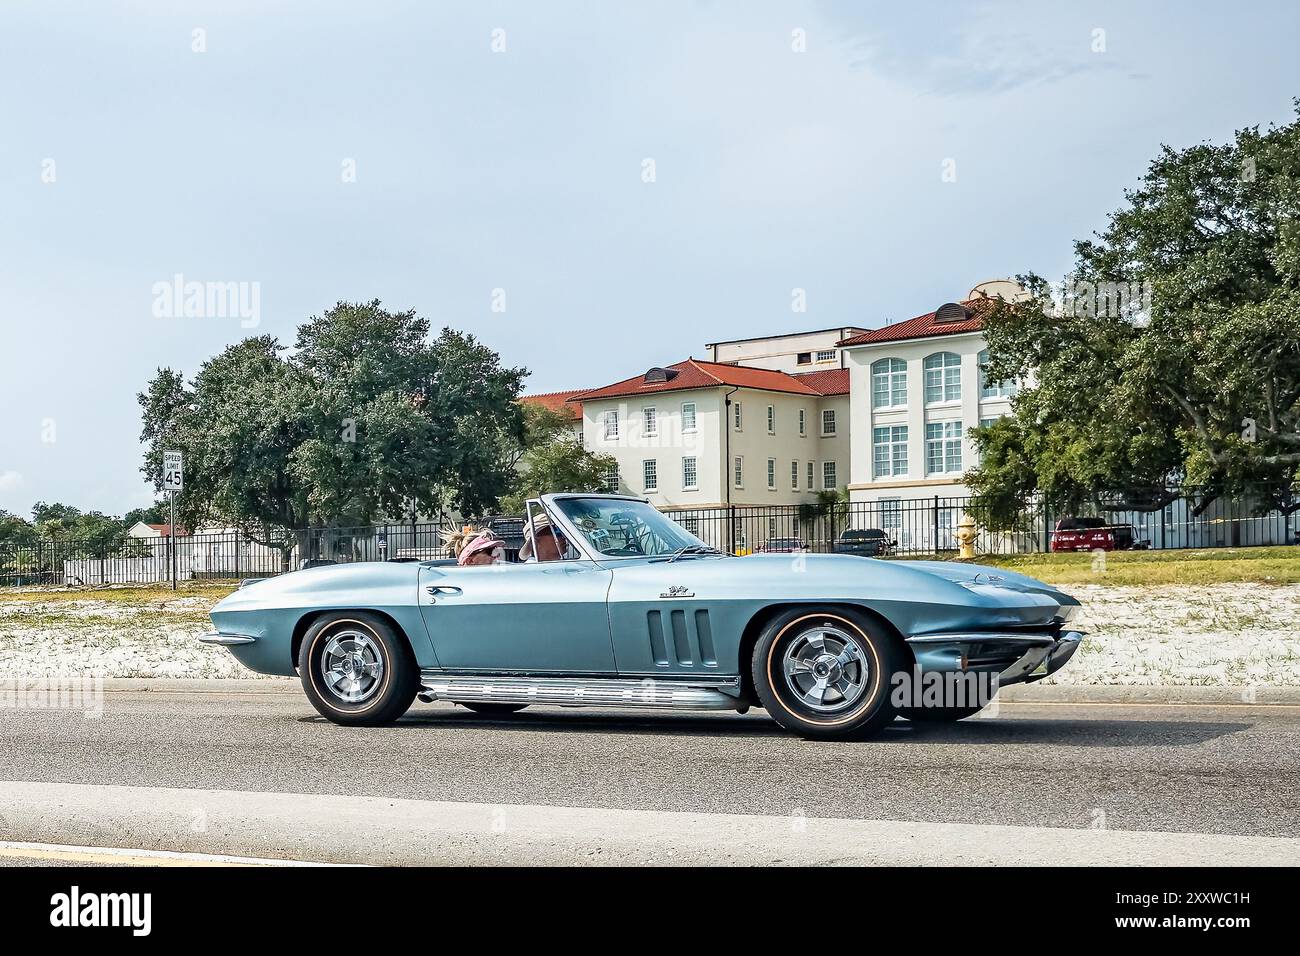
(611, 480)
(651, 416)
(691, 523)
(889, 451)
(803, 422)
(828, 421)
(771, 419)
(650, 472)
(737, 419)
(989, 389)
(738, 471)
(794, 476)
(811, 486)
(942, 377)
(771, 474)
(611, 424)
(803, 358)
(891, 514)
(986, 422)
(828, 475)
(688, 416)
(889, 383)
(826, 355)
(771, 528)
(690, 474)
(942, 447)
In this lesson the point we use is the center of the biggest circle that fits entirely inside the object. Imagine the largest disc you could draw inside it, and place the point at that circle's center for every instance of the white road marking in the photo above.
(122, 856)
(380, 830)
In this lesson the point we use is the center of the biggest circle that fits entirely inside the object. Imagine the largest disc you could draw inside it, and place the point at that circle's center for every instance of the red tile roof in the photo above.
(697, 373)
(924, 327)
(165, 529)
(557, 402)
(831, 381)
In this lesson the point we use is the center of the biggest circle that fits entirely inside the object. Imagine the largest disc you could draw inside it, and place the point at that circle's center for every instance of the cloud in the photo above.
(959, 49)
(10, 481)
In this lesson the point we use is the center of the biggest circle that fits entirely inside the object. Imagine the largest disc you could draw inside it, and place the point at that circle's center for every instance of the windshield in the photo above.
(627, 529)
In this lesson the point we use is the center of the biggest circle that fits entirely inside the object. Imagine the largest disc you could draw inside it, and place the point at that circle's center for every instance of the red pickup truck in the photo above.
(1095, 534)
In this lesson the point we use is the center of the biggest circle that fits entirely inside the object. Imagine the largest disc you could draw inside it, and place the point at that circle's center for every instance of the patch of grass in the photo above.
(1279, 565)
(144, 594)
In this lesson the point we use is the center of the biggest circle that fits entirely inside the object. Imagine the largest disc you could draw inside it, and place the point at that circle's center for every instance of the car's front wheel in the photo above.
(356, 670)
(825, 673)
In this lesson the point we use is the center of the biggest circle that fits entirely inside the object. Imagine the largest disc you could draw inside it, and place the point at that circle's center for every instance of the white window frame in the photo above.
(941, 374)
(824, 355)
(650, 421)
(834, 423)
(829, 464)
(812, 473)
(609, 420)
(738, 471)
(771, 419)
(803, 423)
(771, 474)
(737, 417)
(691, 478)
(895, 443)
(995, 390)
(949, 437)
(794, 475)
(688, 429)
(890, 372)
(612, 479)
(650, 474)
(891, 514)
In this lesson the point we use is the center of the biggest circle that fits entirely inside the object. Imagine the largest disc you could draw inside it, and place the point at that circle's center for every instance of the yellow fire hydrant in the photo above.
(966, 534)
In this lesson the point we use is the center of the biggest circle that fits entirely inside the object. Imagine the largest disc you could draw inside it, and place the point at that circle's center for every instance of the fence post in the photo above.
(935, 540)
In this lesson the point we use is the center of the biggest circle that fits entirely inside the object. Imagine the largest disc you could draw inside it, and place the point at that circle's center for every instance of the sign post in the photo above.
(173, 481)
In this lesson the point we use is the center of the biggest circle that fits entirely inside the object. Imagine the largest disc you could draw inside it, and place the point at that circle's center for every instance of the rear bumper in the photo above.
(1015, 657)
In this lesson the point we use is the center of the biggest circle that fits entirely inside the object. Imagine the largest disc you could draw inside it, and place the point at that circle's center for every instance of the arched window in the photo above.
(942, 377)
(989, 389)
(889, 383)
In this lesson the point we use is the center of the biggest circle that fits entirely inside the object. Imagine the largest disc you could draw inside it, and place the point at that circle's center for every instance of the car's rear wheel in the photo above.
(356, 670)
(825, 672)
(493, 710)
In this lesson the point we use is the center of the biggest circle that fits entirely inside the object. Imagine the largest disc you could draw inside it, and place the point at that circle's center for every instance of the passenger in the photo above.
(550, 544)
(482, 549)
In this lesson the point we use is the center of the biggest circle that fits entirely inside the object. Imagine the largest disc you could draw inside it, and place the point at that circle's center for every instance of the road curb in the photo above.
(376, 830)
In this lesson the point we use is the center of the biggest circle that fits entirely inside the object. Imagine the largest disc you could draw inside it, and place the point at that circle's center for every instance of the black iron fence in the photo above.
(911, 527)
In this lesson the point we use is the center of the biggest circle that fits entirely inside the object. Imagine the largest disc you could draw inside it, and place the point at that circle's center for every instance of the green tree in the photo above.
(366, 417)
(1201, 383)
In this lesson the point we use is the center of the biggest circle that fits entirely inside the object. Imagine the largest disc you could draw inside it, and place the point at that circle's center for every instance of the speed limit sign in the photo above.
(173, 471)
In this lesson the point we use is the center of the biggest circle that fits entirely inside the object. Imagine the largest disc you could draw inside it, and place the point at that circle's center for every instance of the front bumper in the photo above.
(226, 640)
(1016, 657)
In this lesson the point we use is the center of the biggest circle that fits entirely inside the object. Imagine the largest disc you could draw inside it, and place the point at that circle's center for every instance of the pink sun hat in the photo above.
(483, 541)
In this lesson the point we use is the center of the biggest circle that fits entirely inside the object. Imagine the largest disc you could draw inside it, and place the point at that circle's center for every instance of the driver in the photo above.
(548, 543)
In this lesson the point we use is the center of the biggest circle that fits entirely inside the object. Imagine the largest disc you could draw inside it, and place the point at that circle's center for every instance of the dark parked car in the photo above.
(783, 546)
(1095, 534)
(865, 542)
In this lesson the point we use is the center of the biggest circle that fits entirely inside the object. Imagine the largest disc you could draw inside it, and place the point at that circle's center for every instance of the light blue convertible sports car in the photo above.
(632, 610)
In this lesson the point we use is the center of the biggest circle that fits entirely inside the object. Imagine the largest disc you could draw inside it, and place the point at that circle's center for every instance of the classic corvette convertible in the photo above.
(634, 611)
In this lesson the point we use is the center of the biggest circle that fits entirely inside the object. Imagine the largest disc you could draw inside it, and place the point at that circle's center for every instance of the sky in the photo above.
(589, 188)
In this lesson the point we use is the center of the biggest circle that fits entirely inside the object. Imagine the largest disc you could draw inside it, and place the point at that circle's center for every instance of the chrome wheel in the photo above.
(352, 665)
(826, 668)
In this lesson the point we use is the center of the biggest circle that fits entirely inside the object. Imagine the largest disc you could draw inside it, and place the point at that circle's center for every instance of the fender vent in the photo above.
(686, 641)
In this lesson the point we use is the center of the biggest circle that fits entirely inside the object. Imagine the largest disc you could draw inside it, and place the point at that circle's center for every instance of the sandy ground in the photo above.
(1215, 635)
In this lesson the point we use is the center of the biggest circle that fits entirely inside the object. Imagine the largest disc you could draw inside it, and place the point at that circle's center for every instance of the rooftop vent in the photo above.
(950, 312)
(657, 376)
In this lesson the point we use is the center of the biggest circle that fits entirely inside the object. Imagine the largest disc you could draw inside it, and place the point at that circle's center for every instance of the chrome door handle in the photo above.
(441, 589)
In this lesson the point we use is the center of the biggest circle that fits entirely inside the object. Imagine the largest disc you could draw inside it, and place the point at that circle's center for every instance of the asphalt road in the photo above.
(1183, 768)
